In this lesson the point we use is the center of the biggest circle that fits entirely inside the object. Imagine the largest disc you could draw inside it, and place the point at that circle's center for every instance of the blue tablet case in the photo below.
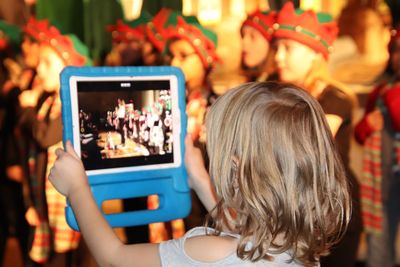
(169, 184)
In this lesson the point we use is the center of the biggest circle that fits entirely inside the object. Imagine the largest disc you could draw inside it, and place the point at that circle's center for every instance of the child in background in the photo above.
(303, 40)
(257, 55)
(276, 188)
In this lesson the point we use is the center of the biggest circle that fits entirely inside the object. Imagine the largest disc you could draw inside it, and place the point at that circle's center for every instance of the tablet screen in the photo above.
(125, 123)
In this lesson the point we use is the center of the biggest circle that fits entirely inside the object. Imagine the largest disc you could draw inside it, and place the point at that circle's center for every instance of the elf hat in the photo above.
(204, 41)
(261, 21)
(155, 29)
(127, 31)
(68, 47)
(315, 30)
(10, 36)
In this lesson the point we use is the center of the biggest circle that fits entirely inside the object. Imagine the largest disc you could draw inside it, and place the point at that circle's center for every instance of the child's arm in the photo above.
(69, 178)
(199, 179)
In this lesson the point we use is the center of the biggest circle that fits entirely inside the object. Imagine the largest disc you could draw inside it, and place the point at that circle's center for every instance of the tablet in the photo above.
(128, 126)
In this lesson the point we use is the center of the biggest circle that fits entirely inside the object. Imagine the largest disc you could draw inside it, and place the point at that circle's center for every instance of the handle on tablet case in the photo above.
(170, 208)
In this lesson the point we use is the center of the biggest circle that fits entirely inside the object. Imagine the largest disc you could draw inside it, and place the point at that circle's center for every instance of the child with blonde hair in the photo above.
(276, 188)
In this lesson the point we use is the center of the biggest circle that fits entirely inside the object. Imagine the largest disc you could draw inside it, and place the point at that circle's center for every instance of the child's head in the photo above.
(274, 165)
(256, 36)
(302, 38)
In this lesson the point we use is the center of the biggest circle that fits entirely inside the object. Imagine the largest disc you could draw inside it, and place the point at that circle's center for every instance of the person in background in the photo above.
(303, 40)
(53, 239)
(128, 39)
(192, 48)
(12, 178)
(257, 56)
(379, 133)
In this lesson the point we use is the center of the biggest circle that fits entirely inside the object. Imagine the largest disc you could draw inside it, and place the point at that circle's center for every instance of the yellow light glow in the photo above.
(238, 8)
(311, 4)
(187, 8)
(131, 8)
(209, 12)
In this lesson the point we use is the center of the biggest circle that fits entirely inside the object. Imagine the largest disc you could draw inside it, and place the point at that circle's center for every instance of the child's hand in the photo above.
(199, 179)
(68, 174)
(195, 164)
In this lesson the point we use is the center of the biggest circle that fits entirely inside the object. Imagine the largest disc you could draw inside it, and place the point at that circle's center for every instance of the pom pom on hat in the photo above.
(262, 21)
(315, 30)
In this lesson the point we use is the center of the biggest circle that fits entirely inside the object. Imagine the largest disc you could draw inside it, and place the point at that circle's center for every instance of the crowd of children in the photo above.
(277, 183)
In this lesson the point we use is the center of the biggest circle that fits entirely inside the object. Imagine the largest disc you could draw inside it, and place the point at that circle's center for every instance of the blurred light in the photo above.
(132, 8)
(209, 12)
(238, 8)
(187, 8)
(311, 4)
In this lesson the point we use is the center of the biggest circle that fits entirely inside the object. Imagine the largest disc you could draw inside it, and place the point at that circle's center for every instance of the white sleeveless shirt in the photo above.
(172, 254)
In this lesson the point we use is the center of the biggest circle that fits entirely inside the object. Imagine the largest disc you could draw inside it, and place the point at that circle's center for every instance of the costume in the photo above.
(199, 97)
(380, 184)
(318, 32)
(172, 253)
(44, 124)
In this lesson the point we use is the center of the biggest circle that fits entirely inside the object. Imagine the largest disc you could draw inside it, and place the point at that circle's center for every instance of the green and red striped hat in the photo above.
(68, 47)
(315, 30)
(261, 21)
(126, 31)
(203, 40)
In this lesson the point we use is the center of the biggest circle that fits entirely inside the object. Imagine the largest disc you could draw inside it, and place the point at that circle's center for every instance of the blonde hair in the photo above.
(276, 172)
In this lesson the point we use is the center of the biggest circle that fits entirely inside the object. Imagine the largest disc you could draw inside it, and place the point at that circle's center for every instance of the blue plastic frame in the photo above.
(169, 184)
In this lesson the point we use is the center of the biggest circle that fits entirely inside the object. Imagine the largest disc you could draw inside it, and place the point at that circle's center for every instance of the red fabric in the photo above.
(371, 184)
(122, 32)
(392, 102)
(154, 30)
(363, 129)
(35, 28)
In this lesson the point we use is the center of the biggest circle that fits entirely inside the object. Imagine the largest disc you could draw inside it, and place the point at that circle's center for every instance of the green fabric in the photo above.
(321, 16)
(305, 31)
(12, 33)
(67, 14)
(142, 19)
(98, 14)
(81, 48)
(153, 6)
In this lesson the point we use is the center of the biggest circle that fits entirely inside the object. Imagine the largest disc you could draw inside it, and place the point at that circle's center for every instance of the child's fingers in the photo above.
(70, 150)
(59, 152)
(189, 141)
